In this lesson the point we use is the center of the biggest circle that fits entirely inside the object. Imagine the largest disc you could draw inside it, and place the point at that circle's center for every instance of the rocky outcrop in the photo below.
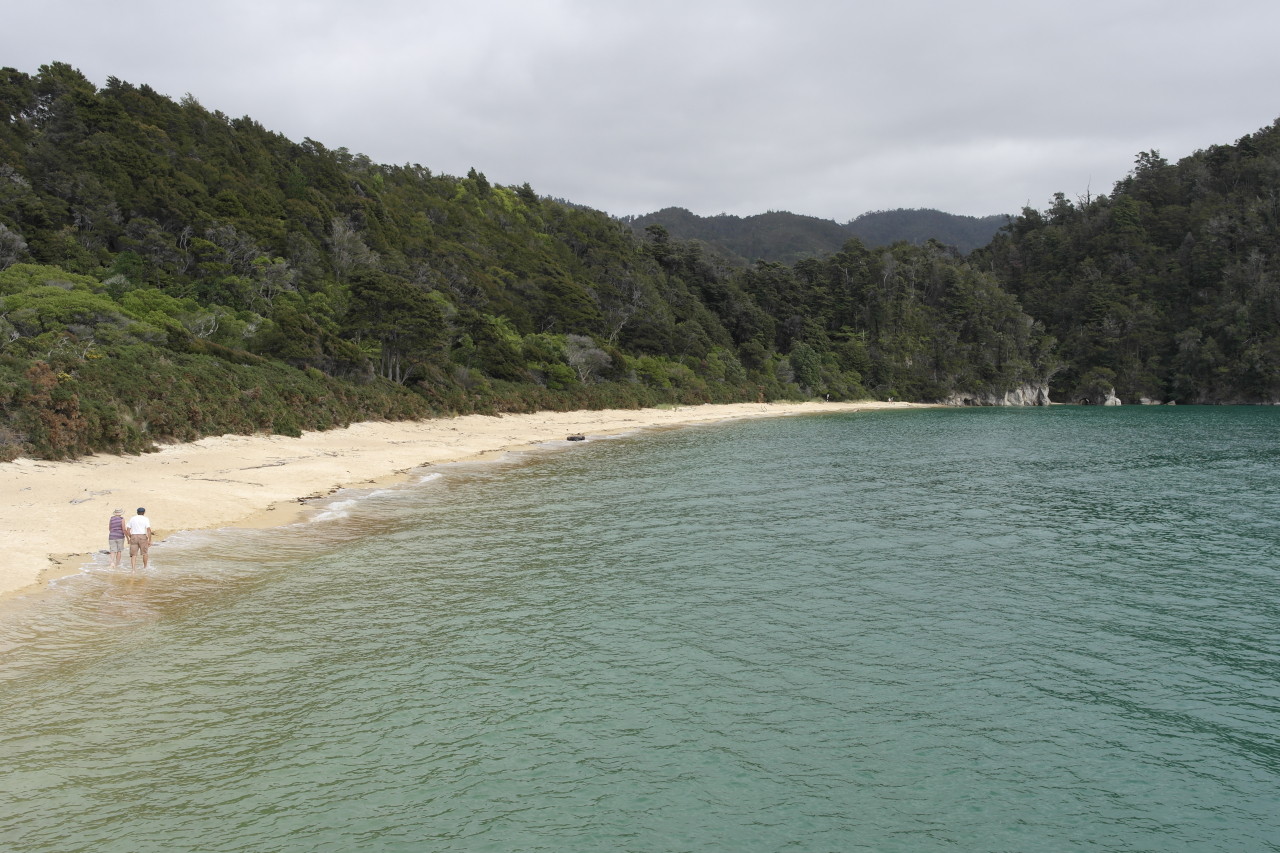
(1024, 395)
(1104, 398)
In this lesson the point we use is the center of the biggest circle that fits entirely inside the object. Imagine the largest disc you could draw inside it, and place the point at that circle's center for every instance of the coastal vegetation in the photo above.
(169, 272)
(1167, 289)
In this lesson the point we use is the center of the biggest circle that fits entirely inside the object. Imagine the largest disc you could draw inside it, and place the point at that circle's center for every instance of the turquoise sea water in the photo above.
(1003, 630)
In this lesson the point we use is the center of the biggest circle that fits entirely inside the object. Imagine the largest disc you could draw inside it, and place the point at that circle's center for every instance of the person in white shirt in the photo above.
(139, 527)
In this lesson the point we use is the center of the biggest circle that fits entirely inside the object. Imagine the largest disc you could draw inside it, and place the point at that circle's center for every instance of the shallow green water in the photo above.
(1022, 630)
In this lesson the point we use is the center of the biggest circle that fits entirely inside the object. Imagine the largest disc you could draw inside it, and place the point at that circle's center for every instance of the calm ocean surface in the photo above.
(961, 630)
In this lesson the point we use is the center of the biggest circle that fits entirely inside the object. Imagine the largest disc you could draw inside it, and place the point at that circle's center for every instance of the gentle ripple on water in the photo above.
(976, 630)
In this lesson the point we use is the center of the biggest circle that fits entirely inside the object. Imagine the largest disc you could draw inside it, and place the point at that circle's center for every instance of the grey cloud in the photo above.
(821, 108)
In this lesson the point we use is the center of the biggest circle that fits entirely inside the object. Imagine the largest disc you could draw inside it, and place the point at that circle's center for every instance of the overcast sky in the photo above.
(819, 107)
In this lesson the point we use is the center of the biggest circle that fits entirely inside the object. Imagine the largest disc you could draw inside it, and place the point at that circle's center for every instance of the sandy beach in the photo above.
(55, 513)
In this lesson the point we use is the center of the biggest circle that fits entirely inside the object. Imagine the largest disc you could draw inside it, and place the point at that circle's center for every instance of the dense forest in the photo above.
(788, 237)
(167, 272)
(1166, 290)
(920, 225)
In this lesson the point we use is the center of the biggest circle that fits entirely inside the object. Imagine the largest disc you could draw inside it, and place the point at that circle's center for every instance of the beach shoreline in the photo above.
(55, 513)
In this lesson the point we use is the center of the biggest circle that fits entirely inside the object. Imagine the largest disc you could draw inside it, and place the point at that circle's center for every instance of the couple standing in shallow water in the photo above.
(138, 528)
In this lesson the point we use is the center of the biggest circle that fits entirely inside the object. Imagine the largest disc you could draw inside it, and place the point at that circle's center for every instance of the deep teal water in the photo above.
(1004, 630)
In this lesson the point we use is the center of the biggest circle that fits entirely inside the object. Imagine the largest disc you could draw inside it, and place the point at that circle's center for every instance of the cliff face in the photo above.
(1027, 394)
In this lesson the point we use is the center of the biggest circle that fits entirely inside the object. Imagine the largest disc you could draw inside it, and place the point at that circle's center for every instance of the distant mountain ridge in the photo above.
(789, 237)
(918, 226)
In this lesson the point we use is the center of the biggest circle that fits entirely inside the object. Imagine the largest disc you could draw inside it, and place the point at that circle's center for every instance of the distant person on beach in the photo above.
(115, 537)
(139, 538)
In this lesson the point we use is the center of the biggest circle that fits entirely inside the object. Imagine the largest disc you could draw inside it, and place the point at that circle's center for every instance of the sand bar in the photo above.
(53, 515)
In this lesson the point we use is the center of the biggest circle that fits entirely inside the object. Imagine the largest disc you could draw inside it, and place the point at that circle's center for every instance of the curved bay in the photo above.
(974, 629)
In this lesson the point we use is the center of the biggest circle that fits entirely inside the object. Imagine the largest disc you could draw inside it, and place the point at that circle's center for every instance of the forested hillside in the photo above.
(167, 272)
(789, 237)
(1169, 288)
(170, 272)
(885, 227)
(777, 236)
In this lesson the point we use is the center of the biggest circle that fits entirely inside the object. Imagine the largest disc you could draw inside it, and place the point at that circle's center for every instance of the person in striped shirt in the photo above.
(115, 537)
